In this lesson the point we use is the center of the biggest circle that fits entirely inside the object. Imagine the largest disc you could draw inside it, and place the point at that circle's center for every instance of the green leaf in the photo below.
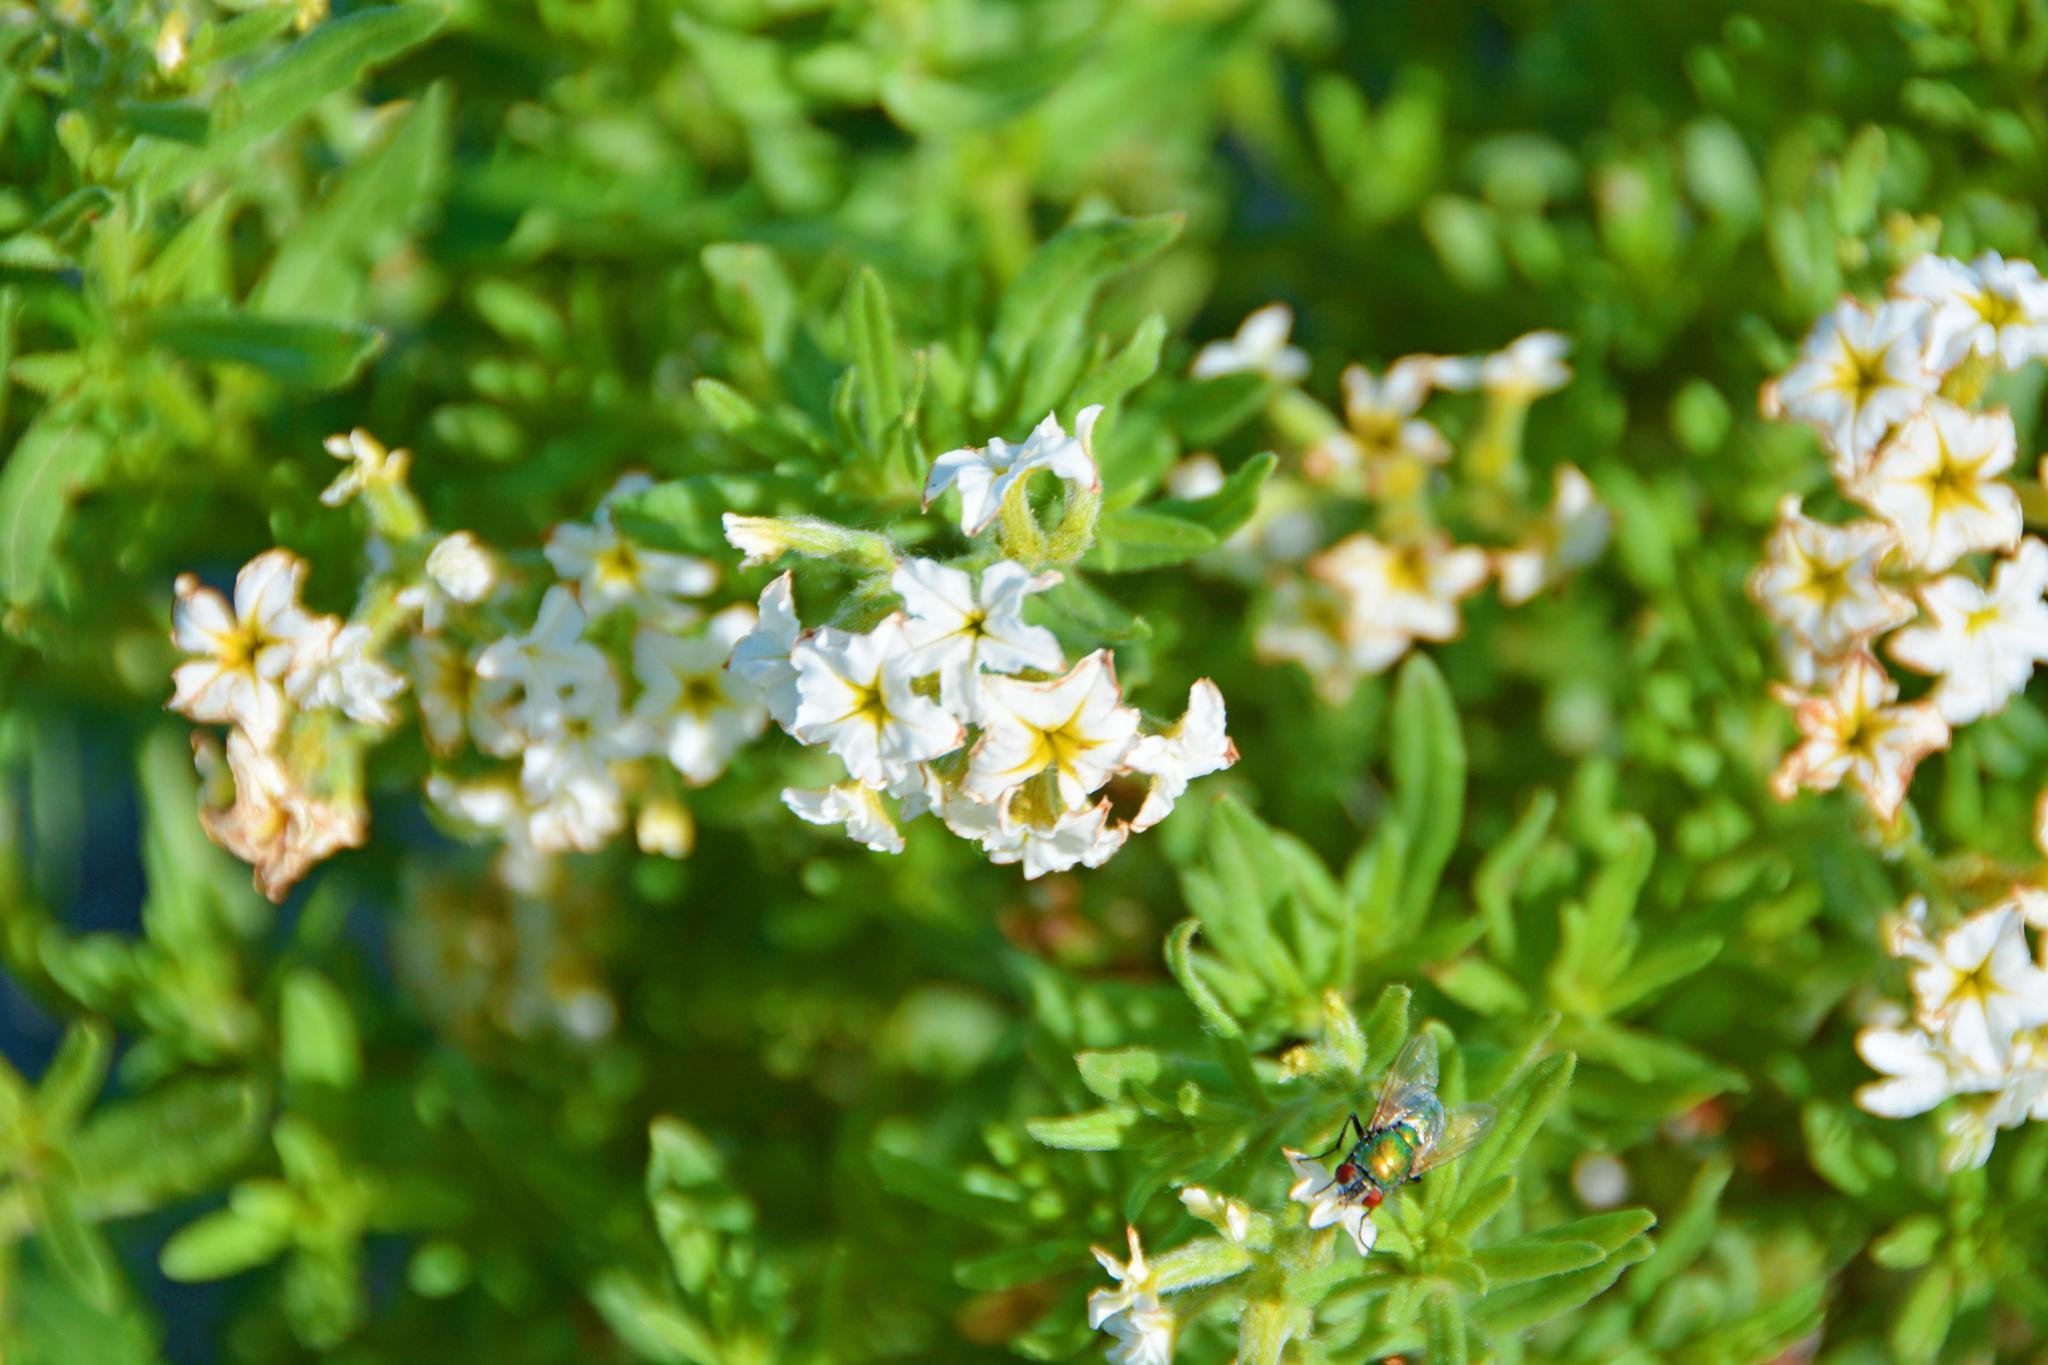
(1135, 539)
(938, 1188)
(1427, 756)
(1534, 1258)
(383, 195)
(75, 1074)
(1230, 506)
(1686, 1233)
(75, 1246)
(685, 514)
(1107, 1073)
(277, 94)
(752, 291)
(1520, 1307)
(1020, 1265)
(1921, 1327)
(1098, 1130)
(1493, 885)
(221, 1244)
(1444, 1325)
(54, 460)
(1137, 362)
(1207, 412)
(136, 1155)
(317, 1031)
(1040, 318)
(321, 355)
(1230, 1041)
(1910, 1243)
(651, 1326)
(1519, 1113)
(871, 334)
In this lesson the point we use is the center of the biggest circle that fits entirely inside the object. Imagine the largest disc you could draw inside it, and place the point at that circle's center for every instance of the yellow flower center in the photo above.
(1059, 748)
(617, 563)
(1997, 309)
(700, 695)
(1953, 483)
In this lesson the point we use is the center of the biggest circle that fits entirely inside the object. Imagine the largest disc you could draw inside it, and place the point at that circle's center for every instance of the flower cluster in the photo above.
(952, 703)
(1978, 1031)
(1940, 570)
(554, 708)
(1358, 561)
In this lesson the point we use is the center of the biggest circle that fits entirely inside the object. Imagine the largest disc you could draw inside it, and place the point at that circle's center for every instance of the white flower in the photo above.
(613, 571)
(984, 475)
(692, 707)
(367, 461)
(1982, 643)
(853, 805)
(1317, 1188)
(1260, 347)
(496, 805)
(275, 825)
(855, 698)
(1918, 1071)
(956, 632)
(1076, 726)
(1978, 987)
(1860, 374)
(554, 668)
(1382, 421)
(761, 657)
(1820, 581)
(1399, 592)
(1571, 535)
(1231, 1217)
(1134, 1282)
(1855, 731)
(1074, 838)
(246, 648)
(1526, 368)
(1196, 746)
(337, 673)
(1992, 307)
(1305, 623)
(1144, 1335)
(1937, 482)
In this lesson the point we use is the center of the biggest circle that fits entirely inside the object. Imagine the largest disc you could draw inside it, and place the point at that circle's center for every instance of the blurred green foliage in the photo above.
(862, 1108)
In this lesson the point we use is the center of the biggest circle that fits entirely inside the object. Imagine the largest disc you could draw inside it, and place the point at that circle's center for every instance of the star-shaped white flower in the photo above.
(984, 475)
(1978, 986)
(1260, 347)
(852, 805)
(612, 571)
(337, 672)
(691, 706)
(1317, 1188)
(855, 698)
(761, 657)
(1992, 307)
(1196, 746)
(367, 462)
(1525, 369)
(1982, 643)
(1936, 481)
(1820, 581)
(1918, 1071)
(1861, 373)
(958, 632)
(1382, 426)
(553, 669)
(1855, 731)
(1572, 534)
(459, 569)
(1396, 593)
(1134, 1282)
(245, 648)
(1076, 726)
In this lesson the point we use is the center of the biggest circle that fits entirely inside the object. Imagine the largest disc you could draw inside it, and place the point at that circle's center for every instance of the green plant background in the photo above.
(516, 237)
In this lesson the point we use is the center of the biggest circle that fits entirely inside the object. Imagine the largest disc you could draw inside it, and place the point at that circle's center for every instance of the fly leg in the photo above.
(1351, 1124)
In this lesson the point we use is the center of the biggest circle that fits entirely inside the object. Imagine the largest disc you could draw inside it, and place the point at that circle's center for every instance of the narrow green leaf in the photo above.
(938, 1188)
(321, 355)
(76, 1247)
(221, 1244)
(1137, 362)
(871, 334)
(1921, 1327)
(1107, 1073)
(1686, 1232)
(330, 58)
(1230, 506)
(753, 292)
(53, 461)
(75, 1075)
(1098, 1130)
(1135, 539)
(1493, 885)
(1426, 753)
(1444, 1325)
(651, 1326)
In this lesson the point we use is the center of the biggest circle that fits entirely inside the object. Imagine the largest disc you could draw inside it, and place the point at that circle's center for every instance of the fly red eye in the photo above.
(1346, 1173)
(1373, 1197)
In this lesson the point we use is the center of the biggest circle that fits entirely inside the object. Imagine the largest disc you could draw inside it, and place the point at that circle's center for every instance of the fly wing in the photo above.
(1412, 1075)
(1461, 1128)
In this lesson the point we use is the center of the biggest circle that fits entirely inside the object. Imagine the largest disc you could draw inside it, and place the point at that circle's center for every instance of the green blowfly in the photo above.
(1409, 1133)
